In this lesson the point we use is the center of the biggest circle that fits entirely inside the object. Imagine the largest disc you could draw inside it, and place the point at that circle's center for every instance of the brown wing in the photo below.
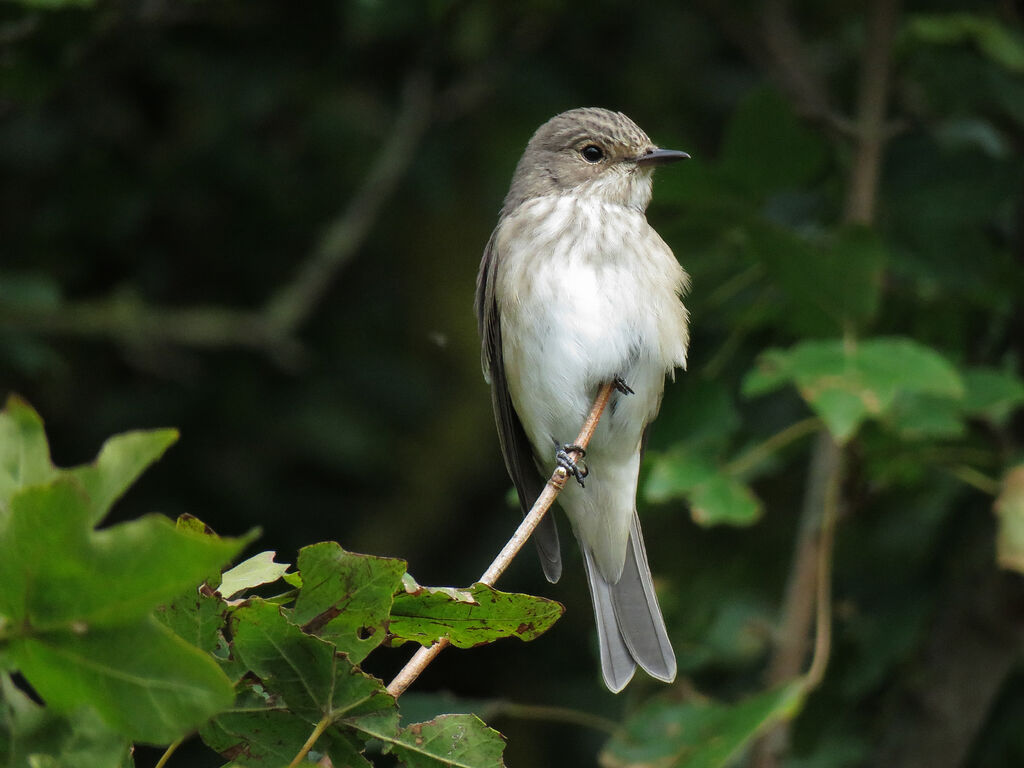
(515, 446)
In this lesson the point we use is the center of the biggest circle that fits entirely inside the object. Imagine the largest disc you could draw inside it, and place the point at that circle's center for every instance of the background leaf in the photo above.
(700, 734)
(848, 383)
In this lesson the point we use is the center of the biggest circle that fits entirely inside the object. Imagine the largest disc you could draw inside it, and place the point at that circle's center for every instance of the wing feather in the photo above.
(515, 446)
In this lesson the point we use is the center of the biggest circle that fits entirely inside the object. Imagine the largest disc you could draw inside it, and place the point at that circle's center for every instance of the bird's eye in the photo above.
(592, 153)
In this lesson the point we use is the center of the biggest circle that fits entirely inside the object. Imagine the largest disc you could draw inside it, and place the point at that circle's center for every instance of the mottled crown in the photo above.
(552, 160)
(581, 125)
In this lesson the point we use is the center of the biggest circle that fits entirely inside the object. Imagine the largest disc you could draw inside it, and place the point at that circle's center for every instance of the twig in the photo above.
(549, 714)
(773, 44)
(552, 488)
(290, 307)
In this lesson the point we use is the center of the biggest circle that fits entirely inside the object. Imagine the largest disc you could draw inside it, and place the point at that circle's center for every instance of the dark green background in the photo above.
(166, 155)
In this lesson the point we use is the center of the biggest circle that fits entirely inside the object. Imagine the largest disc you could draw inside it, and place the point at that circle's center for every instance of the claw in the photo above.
(570, 465)
(620, 384)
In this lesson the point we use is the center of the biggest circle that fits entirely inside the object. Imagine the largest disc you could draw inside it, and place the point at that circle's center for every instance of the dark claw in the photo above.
(564, 460)
(620, 384)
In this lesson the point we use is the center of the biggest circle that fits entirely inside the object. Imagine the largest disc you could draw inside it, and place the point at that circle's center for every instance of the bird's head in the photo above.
(589, 152)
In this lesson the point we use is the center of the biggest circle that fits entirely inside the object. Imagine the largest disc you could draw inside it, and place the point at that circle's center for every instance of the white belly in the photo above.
(586, 292)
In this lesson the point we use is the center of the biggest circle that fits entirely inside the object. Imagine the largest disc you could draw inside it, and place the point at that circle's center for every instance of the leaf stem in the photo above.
(780, 439)
(975, 479)
(322, 726)
(823, 598)
(171, 749)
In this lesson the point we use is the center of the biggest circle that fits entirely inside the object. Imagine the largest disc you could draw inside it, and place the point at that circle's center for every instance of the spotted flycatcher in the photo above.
(576, 290)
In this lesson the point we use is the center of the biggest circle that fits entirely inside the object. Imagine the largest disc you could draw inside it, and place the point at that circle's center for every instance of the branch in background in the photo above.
(127, 319)
(773, 44)
(787, 58)
(293, 304)
(872, 100)
(810, 575)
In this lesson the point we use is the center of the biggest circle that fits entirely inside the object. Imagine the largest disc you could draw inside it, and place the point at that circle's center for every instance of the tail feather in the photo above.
(631, 630)
(546, 539)
(617, 665)
(638, 613)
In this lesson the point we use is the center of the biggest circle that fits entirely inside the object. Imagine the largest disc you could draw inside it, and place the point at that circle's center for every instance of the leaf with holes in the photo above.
(469, 617)
(345, 598)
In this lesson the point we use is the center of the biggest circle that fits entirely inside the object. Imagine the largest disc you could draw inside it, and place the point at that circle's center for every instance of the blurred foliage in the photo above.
(168, 169)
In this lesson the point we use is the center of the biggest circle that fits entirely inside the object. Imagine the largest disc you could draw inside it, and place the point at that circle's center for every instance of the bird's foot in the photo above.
(569, 464)
(620, 384)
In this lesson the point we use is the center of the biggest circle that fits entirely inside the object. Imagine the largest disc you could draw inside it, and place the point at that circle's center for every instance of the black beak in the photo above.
(661, 157)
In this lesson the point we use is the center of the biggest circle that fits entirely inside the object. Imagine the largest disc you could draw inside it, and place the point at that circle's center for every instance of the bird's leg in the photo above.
(620, 384)
(568, 463)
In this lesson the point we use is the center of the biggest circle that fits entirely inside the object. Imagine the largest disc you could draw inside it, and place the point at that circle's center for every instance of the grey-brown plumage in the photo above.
(575, 289)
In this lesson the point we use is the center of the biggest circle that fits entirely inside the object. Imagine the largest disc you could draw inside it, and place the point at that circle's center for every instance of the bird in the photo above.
(575, 290)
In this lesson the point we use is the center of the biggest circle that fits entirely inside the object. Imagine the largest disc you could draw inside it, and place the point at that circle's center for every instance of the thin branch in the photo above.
(292, 305)
(549, 714)
(127, 319)
(808, 589)
(124, 317)
(552, 488)
(788, 56)
(773, 44)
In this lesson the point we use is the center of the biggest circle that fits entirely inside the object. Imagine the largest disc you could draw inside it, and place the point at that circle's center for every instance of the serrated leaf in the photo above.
(470, 617)
(24, 454)
(264, 737)
(121, 460)
(305, 671)
(846, 383)
(143, 680)
(715, 496)
(257, 570)
(1009, 508)
(345, 597)
(194, 617)
(25, 458)
(449, 741)
(57, 572)
(698, 734)
(34, 735)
